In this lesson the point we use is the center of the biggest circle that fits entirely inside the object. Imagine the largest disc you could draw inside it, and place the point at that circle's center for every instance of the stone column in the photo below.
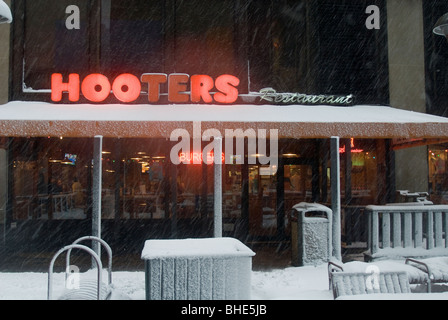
(407, 84)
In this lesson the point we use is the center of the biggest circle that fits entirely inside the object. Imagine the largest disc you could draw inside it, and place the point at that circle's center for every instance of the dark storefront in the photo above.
(313, 47)
(146, 196)
(320, 48)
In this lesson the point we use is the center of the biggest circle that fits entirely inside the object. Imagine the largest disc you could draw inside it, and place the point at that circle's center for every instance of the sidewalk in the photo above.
(301, 283)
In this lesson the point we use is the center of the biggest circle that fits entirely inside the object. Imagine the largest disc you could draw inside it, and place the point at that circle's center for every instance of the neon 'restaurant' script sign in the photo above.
(127, 87)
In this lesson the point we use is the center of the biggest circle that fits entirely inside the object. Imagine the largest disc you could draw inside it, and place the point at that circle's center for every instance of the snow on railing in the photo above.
(404, 231)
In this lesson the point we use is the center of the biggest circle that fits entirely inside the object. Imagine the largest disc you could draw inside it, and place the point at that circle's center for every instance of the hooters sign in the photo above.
(127, 87)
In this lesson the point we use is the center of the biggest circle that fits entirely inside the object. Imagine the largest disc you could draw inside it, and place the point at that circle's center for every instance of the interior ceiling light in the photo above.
(66, 161)
(290, 155)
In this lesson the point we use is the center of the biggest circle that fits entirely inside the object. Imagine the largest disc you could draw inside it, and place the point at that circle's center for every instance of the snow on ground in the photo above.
(289, 283)
(292, 283)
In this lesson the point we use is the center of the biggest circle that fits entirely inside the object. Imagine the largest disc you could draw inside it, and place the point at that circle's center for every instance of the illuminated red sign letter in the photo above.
(154, 80)
(198, 157)
(176, 84)
(126, 87)
(226, 84)
(200, 88)
(95, 87)
(58, 87)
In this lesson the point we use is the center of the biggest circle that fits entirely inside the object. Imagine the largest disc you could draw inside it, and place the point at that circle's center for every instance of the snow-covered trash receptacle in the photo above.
(311, 234)
(197, 269)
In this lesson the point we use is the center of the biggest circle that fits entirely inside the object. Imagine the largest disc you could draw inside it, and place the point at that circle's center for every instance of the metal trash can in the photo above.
(197, 269)
(311, 241)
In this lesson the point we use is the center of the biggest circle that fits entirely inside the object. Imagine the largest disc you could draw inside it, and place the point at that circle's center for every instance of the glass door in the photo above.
(262, 201)
(297, 184)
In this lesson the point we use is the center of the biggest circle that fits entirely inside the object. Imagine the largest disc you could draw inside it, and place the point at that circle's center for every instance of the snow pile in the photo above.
(26, 119)
(294, 283)
(392, 296)
(20, 110)
(198, 269)
(414, 275)
(207, 247)
(299, 283)
(438, 267)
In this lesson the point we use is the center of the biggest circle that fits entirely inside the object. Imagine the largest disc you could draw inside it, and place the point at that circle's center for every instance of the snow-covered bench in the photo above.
(419, 272)
(415, 275)
(357, 283)
(435, 268)
(382, 277)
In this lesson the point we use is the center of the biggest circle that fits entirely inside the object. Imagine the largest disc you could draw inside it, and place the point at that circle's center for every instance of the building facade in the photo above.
(75, 53)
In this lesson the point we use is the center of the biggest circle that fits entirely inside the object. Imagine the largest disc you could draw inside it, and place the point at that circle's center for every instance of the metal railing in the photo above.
(69, 248)
(413, 228)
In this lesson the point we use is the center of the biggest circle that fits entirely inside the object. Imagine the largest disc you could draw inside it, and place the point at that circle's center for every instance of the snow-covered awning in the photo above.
(28, 119)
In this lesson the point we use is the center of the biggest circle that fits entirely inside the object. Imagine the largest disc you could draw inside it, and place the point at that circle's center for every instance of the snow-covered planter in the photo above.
(197, 269)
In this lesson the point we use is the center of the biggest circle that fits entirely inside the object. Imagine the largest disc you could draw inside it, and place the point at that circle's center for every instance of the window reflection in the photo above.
(51, 179)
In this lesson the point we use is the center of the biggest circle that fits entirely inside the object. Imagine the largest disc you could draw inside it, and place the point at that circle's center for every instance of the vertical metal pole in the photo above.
(335, 197)
(218, 188)
(349, 231)
(280, 201)
(96, 192)
(173, 186)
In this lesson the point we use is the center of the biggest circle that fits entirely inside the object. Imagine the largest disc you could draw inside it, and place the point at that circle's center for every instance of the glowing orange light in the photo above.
(353, 150)
(154, 80)
(177, 85)
(197, 157)
(126, 87)
(226, 84)
(95, 87)
(58, 87)
(200, 88)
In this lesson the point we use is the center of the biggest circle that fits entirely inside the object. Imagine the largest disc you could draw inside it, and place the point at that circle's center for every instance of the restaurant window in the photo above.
(438, 168)
(279, 52)
(436, 57)
(362, 176)
(351, 58)
(312, 47)
(204, 38)
(436, 75)
(132, 37)
(134, 179)
(50, 178)
(318, 47)
(48, 45)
